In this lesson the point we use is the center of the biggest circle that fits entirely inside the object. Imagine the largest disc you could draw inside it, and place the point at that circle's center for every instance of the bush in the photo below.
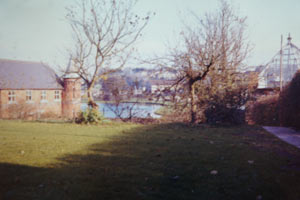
(49, 115)
(289, 103)
(89, 116)
(265, 111)
(21, 110)
(220, 114)
(279, 110)
(225, 106)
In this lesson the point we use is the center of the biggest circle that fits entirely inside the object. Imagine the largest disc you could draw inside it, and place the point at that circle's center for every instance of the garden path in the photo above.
(286, 134)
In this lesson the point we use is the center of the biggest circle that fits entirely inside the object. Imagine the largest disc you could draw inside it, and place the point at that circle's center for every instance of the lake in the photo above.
(141, 109)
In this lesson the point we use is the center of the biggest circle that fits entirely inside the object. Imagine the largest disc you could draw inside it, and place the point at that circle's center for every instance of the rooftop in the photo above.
(269, 77)
(15, 74)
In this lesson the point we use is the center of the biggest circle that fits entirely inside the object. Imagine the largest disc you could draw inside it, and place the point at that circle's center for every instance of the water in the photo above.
(139, 110)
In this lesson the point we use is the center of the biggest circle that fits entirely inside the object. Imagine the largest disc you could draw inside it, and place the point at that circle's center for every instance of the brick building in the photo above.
(33, 90)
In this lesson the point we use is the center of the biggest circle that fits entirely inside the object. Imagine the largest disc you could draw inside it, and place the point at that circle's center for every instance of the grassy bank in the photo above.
(128, 161)
(140, 101)
(164, 110)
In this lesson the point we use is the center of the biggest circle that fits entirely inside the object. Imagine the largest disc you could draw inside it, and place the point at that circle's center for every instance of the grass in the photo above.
(164, 110)
(129, 161)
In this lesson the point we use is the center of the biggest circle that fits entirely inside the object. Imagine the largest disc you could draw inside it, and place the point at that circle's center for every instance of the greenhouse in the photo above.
(282, 67)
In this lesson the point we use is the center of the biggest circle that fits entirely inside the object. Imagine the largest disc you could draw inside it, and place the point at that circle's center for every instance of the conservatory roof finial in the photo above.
(289, 39)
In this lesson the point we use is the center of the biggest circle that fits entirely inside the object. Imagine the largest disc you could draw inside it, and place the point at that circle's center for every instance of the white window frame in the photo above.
(28, 96)
(44, 96)
(57, 95)
(11, 96)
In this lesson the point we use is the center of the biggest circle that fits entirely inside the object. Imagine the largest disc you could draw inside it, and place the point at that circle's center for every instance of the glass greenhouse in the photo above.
(281, 68)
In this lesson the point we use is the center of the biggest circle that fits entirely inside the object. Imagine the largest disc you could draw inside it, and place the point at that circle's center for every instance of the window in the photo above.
(57, 95)
(11, 96)
(28, 95)
(43, 95)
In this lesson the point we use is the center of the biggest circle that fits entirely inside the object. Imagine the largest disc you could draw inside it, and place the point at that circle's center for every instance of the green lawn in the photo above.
(128, 161)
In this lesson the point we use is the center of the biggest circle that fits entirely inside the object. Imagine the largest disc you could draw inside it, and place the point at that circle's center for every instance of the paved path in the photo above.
(286, 134)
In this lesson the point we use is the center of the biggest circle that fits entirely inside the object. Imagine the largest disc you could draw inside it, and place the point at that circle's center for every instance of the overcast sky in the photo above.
(36, 30)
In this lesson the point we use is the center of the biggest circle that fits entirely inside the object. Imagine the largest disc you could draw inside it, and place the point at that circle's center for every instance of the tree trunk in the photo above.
(193, 108)
(91, 103)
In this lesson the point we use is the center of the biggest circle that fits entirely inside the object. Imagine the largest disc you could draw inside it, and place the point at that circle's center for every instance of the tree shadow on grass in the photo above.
(169, 161)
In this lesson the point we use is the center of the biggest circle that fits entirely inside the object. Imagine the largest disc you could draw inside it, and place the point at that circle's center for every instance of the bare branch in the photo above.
(105, 32)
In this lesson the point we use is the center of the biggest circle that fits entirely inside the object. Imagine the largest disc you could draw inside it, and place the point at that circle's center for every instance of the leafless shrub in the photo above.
(21, 110)
(49, 115)
(126, 111)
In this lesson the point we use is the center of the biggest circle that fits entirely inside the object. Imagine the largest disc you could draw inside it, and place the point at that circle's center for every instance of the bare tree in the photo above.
(105, 31)
(212, 49)
(123, 110)
(123, 102)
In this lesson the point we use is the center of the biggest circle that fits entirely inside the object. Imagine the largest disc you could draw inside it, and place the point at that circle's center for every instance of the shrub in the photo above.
(21, 110)
(49, 115)
(225, 106)
(283, 109)
(289, 103)
(265, 111)
(89, 116)
(220, 114)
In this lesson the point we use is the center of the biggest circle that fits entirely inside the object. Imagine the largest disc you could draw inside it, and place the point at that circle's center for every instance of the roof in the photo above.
(71, 71)
(272, 74)
(16, 74)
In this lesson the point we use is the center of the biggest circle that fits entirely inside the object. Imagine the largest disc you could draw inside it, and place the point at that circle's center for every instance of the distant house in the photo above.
(97, 90)
(33, 90)
(139, 90)
(160, 85)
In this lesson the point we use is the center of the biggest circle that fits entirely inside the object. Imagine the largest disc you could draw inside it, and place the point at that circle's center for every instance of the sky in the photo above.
(36, 30)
